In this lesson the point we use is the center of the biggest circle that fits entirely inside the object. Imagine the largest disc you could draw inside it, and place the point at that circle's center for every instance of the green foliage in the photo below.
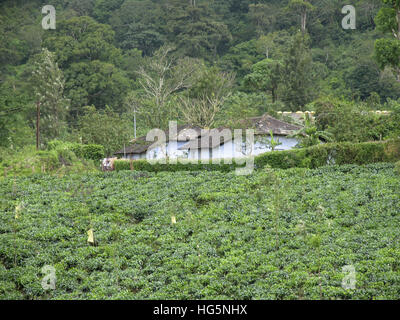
(333, 153)
(60, 158)
(309, 135)
(223, 245)
(385, 20)
(92, 151)
(95, 83)
(82, 39)
(48, 84)
(349, 121)
(242, 105)
(14, 108)
(182, 165)
(397, 167)
(85, 49)
(20, 34)
(196, 30)
(103, 9)
(387, 51)
(272, 143)
(135, 24)
(241, 57)
(105, 128)
(266, 76)
(299, 87)
(82, 151)
(363, 79)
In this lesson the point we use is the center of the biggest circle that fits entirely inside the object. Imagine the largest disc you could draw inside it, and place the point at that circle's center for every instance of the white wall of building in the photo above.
(225, 151)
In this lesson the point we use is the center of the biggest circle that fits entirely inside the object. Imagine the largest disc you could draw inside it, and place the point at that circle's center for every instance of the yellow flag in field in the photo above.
(90, 236)
(17, 211)
(173, 220)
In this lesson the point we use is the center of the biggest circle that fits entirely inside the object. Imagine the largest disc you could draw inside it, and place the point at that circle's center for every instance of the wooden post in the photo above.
(37, 125)
(131, 164)
(134, 122)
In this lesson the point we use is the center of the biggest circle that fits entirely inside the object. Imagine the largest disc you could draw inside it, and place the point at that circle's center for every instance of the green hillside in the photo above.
(237, 58)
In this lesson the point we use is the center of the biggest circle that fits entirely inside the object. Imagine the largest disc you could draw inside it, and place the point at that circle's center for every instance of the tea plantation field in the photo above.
(277, 234)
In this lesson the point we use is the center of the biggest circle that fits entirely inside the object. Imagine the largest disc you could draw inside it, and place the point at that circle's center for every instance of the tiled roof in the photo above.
(266, 123)
(210, 138)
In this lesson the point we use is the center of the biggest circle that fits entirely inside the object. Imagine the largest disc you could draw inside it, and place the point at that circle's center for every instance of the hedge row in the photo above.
(182, 165)
(333, 153)
(313, 157)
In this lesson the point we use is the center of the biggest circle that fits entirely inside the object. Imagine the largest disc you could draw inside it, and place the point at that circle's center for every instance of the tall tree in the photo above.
(266, 76)
(137, 26)
(48, 84)
(85, 50)
(303, 8)
(14, 112)
(195, 30)
(262, 15)
(161, 77)
(297, 74)
(205, 99)
(387, 51)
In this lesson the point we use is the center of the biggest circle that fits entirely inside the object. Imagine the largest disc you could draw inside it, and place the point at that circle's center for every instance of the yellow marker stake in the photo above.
(17, 211)
(90, 236)
(173, 220)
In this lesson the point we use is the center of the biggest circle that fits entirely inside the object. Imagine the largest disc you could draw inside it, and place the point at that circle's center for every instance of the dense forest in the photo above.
(201, 62)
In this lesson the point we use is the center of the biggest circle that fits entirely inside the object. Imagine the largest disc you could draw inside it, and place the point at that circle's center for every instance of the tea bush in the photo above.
(276, 234)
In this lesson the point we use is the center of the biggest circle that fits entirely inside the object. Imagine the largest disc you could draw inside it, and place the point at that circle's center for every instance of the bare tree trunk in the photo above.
(274, 97)
(398, 24)
(303, 21)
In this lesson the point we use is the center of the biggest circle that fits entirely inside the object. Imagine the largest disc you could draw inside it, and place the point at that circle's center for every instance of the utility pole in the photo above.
(134, 121)
(37, 125)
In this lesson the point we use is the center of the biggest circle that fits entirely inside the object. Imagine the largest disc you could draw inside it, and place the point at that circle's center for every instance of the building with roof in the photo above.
(195, 143)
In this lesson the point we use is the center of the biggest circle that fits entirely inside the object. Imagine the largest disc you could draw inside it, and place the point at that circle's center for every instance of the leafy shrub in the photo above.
(93, 151)
(349, 121)
(82, 151)
(49, 159)
(182, 165)
(397, 167)
(59, 158)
